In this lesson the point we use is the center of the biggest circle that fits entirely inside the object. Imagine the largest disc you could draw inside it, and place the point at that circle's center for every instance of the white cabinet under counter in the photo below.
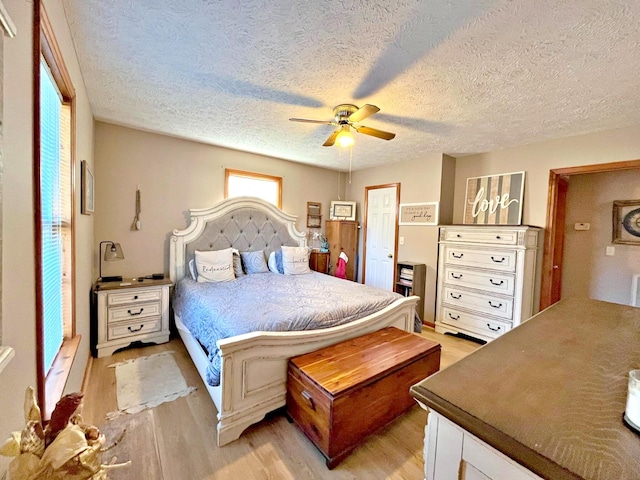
(488, 278)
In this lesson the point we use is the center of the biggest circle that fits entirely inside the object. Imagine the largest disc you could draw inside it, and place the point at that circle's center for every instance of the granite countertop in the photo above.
(551, 393)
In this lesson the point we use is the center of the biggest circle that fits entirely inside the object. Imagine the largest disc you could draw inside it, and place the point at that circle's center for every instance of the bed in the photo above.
(252, 366)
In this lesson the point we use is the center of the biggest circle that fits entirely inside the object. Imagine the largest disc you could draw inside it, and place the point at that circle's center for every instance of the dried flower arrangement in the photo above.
(65, 449)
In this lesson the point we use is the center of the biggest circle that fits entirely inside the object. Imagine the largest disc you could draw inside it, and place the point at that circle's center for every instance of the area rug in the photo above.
(147, 382)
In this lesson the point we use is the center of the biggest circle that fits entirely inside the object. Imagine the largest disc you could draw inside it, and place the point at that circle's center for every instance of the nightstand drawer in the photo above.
(142, 310)
(147, 295)
(124, 330)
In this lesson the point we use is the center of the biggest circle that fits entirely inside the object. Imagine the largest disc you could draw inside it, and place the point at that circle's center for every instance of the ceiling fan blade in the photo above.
(363, 112)
(332, 139)
(305, 120)
(374, 132)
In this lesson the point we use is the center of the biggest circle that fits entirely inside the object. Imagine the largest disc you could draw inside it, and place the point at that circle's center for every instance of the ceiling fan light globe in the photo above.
(345, 139)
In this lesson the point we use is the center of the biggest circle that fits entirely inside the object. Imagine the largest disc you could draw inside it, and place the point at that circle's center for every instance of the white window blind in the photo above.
(52, 216)
(254, 185)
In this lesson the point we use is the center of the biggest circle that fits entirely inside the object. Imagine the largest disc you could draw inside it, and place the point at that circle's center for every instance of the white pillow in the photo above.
(214, 266)
(273, 266)
(295, 260)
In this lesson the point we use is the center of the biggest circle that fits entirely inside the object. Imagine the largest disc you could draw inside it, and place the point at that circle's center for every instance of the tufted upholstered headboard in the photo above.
(245, 223)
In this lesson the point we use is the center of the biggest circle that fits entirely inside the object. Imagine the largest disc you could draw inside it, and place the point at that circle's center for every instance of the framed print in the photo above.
(494, 199)
(87, 194)
(425, 213)
(626, 222)
(343, 210)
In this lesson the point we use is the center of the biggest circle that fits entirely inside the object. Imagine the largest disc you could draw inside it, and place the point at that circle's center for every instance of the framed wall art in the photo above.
(626, 222)
(425, 213)
(494, 199)
(87, 196)
(341, 210)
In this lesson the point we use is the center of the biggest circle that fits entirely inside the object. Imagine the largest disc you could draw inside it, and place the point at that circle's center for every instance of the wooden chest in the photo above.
(340, 394)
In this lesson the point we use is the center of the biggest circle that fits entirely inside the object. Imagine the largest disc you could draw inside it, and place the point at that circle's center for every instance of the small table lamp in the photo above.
(111, 253)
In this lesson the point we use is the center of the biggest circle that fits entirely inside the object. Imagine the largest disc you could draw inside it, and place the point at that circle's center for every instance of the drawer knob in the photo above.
(458, 235)
(133, 314)
(132, 330)
(498, 237)
(135, 297)
(458, 256)
(457, 317)
(496, 283)
(307, 396)
(454, 297)
(495, 306)
(497, 329)
(502, 259)
(453, 275)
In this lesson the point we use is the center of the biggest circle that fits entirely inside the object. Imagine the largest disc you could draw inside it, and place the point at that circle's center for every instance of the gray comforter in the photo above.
(270, 302)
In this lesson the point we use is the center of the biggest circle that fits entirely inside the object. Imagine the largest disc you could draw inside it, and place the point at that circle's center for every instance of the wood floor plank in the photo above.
(179, 436)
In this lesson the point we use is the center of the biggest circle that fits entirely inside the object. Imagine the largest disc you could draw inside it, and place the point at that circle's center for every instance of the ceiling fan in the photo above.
(347, 116)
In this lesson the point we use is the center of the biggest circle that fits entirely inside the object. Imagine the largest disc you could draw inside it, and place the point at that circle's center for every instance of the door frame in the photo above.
(364, 226)
(556, 210)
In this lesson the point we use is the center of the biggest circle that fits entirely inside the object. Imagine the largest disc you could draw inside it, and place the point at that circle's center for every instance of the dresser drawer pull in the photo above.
(307, 396)
(454, 297)
(457, 317)
(135, 297)
(133, 314)
(453, 275)
(458, 256)
(496, 283)
(498, 237)
(498, 261)
(495, 306)
(497, 329)
(132, 330)
(458, 235)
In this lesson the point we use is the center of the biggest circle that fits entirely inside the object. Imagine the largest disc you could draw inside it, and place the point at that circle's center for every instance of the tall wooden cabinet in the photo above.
(342, 235)
(488, 279)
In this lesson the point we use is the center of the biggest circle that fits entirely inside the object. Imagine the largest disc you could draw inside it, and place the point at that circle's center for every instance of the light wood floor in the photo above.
(176, 440)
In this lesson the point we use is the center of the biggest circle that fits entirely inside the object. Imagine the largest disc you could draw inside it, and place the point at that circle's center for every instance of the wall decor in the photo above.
(494, 199)
(87, 197)
(425, 213)
(342, 210)
(626, 222)
(314, 217)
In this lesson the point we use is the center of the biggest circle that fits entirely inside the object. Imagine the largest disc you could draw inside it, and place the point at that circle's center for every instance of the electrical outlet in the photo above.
(581, 226)
(610, 251)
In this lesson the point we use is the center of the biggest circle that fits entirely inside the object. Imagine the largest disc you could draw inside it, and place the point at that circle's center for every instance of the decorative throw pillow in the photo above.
(214, 266)
(295, 260)
(237, 263)
(273, 265)
(254, 262)
(279, 264)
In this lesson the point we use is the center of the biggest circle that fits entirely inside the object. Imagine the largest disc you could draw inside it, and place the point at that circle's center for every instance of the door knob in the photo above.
(555, 267)
(390, 256)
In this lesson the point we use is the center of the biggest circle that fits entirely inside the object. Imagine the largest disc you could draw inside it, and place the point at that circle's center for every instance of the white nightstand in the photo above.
(130, 312)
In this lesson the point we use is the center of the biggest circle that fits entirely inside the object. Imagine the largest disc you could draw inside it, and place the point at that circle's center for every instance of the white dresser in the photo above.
(130, 312)
(488, 278)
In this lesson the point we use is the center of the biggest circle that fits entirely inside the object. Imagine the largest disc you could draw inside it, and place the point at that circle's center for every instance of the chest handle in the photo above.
(307, 396)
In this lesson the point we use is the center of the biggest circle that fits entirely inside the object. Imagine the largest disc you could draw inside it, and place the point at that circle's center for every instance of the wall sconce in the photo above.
(112, 252)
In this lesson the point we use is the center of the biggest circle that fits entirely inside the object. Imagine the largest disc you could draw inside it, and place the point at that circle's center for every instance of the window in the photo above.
(54, 221)
(240, 184)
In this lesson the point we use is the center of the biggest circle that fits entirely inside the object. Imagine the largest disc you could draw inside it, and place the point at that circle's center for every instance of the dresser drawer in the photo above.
(129, 312)
(487, 303)
(473, 323)
(128, 329)
(491, 282)
(486, 236)
(496, 259)
(140, 296)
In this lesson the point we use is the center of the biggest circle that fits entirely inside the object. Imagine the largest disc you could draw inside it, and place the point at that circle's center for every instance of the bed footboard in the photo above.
(254, 365)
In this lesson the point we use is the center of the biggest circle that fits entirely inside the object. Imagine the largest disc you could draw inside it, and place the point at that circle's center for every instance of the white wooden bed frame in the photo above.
(254, 365)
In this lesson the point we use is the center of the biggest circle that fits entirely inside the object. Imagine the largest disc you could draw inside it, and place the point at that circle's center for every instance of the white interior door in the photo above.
(381, 237)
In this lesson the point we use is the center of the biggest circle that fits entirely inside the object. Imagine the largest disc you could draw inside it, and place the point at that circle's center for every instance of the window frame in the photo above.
(51, 384)
(229, 172)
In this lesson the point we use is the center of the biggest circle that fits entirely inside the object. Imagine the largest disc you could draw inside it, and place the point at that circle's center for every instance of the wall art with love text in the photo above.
(494, 199)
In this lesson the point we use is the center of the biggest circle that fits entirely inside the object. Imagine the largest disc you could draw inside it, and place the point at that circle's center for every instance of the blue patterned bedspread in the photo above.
(270, 302)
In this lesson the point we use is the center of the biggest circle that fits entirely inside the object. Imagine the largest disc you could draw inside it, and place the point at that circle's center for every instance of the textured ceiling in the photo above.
(451, 76)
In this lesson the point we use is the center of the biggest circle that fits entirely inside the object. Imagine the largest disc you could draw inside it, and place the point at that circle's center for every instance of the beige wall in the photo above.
(18, 314)
(420, 181)
(175, 175)
(587, 271)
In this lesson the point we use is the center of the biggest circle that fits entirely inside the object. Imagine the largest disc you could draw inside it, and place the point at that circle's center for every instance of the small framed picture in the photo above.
(343, 210)
(626, 222)
(87, 196)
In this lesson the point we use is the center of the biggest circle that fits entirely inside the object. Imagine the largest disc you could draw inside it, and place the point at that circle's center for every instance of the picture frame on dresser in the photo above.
(342, 210)
(626, 222)
(494, 199)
